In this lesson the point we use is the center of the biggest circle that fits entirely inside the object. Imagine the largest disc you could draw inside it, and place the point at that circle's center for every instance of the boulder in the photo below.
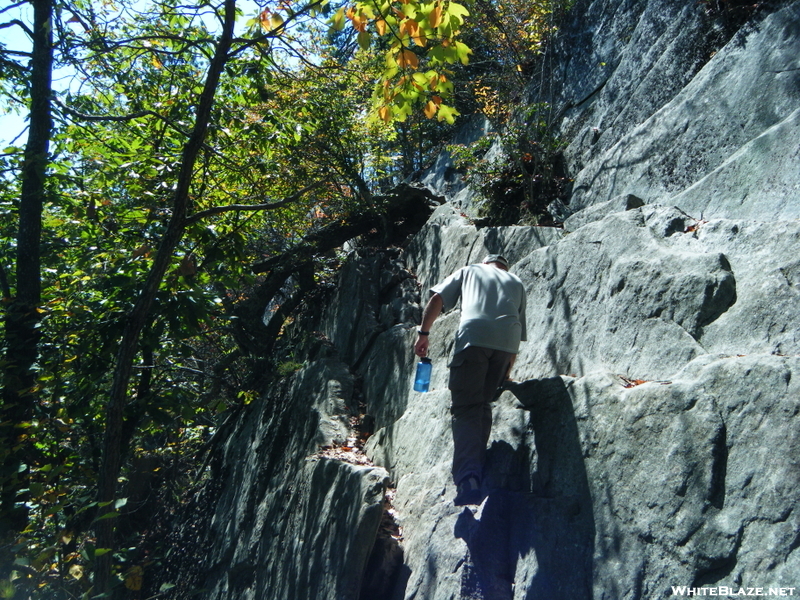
(630, 456)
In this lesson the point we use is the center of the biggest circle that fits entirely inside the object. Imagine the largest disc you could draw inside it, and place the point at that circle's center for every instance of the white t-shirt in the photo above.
(492, 307)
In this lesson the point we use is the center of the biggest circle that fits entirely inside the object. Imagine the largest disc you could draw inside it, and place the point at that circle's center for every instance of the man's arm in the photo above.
(432, 310)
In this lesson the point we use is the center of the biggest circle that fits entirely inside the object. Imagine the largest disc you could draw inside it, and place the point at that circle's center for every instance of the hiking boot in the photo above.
(469, 492)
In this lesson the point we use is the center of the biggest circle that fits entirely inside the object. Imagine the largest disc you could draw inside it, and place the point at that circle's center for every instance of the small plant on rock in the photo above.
(517, 172)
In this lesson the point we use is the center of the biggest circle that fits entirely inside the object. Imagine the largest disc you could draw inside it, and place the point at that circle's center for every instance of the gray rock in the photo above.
(597, 212)
(703, 140)
(288, 523)
(450, 241)
(444, 179)
(620, 480)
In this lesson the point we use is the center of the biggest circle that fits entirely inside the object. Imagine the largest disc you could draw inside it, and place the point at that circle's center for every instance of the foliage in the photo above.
(517, 172)
(288, 152)
(508, 39)
(419, 40)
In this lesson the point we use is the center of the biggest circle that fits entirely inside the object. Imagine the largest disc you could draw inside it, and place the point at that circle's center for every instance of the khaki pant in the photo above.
(475, 375)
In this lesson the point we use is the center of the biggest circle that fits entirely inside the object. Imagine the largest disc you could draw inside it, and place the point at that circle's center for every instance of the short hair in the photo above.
(496, 258)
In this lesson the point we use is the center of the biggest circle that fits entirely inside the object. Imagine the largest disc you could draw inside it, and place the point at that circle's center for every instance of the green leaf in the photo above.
(462, 52)
(363, 40)
(447, 113)
(109, 515)
(457, 11)
(337, 21)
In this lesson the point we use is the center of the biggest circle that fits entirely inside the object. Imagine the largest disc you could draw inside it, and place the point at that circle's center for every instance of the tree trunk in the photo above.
(139, 315)
(22, 313)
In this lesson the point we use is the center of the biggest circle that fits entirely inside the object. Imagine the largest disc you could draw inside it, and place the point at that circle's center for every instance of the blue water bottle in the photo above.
(423, 379)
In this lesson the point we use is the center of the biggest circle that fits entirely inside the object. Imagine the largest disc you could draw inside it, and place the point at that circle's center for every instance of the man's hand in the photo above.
(421, 347)
(432, 311)
(510, 366)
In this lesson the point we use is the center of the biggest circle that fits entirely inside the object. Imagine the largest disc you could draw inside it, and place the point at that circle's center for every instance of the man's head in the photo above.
(497, 260)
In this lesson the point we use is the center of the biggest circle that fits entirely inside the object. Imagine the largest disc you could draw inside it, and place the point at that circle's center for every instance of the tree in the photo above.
(154, 196)
(419, 40)
(23, 302)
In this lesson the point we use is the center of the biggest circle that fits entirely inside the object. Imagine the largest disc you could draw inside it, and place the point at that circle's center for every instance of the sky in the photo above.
(13, 38)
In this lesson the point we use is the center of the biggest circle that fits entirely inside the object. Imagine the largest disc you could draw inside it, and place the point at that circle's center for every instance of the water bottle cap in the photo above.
(425, 359)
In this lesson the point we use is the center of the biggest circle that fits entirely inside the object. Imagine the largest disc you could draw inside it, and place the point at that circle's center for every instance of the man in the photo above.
(491, 328)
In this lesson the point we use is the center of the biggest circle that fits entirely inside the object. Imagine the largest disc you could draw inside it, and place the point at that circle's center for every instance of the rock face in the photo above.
(654, 105)
(288, 522)
(631, 455)
(651, 441)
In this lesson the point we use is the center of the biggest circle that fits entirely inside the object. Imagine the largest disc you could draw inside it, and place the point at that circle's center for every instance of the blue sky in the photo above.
(13, 38)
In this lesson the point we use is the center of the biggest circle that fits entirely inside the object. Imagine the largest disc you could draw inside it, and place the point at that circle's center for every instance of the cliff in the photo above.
(652, 439)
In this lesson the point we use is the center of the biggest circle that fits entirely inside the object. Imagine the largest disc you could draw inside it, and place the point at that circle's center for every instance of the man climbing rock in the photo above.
(487, 341)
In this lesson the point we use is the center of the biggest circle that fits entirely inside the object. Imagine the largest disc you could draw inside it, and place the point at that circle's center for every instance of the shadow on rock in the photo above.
(536, 528)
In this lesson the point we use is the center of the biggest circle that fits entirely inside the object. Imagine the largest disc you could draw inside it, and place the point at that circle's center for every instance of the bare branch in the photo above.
(120, 118)
(13, 6)
(21, 70)
(18, 23)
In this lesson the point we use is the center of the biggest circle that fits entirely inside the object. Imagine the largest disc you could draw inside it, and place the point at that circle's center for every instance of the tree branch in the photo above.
(19, 23)
(138, 317)
(216, 210)
(118, 118)
(274, 32)
(13, 6)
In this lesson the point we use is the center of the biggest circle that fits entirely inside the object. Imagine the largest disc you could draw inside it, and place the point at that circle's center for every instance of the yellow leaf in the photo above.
(380, 25)
(263, 18)
(133, 578)
(76, 571)
(430, 109)
(276, 20)
(435, 16)
(384, 114)
(157, 63)
(417, 34)
(407, 58)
